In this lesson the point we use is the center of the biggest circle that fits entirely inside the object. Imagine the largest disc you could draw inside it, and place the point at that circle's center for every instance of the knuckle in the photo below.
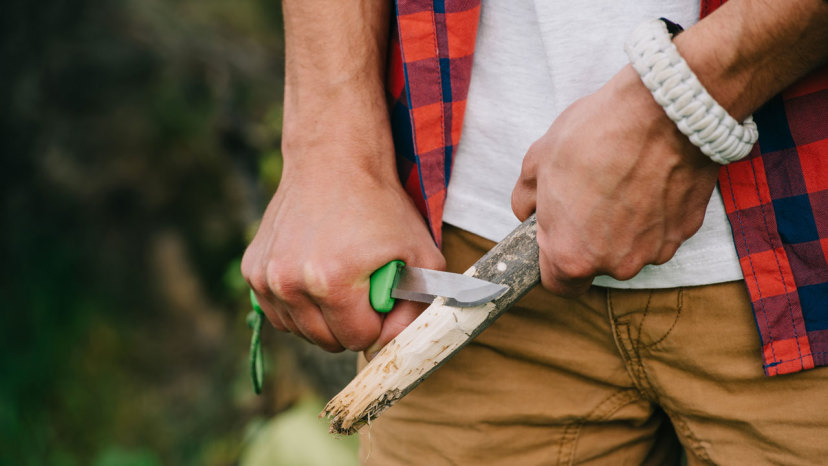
(693, 225)
(528, 173)
(247, 266)
(251, 271)
(623, 273)
(281, 282)
(565, 262)
(573, 267)
(257, 280)
(326, 273)
(667, 252)
(535, 148)
(528, 169)
(627, 269)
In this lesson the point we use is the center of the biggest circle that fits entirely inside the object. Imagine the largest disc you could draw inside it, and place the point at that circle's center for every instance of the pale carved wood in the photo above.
(437, 334)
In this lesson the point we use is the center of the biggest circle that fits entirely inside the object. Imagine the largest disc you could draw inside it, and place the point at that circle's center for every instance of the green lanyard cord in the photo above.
(254, 321)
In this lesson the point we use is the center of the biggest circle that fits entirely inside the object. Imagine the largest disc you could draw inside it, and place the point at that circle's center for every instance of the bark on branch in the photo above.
(436, 335)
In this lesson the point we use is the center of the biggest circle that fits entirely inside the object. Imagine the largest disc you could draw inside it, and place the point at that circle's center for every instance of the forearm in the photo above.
(334, 84)
(749, 50)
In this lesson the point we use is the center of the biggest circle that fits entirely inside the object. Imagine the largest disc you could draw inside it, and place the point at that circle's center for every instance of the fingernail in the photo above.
(371, 352)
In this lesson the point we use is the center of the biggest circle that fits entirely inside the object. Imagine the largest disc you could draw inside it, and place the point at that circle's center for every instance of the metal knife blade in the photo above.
(424, 285)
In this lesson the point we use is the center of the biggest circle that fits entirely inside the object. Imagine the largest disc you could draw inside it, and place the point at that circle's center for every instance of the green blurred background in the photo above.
(140, 143)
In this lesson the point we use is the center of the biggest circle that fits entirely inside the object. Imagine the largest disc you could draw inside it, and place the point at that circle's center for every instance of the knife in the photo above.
(392, 281)
(395, 280)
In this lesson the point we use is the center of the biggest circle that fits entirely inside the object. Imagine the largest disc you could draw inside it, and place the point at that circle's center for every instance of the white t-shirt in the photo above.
(532, 60)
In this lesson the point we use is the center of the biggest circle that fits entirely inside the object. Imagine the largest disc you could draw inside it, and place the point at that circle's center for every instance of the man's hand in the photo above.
(323, 234)
(615, 185)
(340, 211)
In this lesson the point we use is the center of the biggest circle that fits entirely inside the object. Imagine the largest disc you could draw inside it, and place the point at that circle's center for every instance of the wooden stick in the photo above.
(436, 335)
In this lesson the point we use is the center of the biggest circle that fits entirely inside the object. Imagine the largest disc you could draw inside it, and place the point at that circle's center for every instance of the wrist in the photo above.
(722, 71)
(747, 51)
(331, 161)
(311, 109)
(645, 115)
(338, 129)
(344, 152)
(636, 100)
(685, 100)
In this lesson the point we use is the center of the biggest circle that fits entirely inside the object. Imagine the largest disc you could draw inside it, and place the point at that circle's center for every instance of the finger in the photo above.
(352, 320)
(433, 259)
(279, 317)
(396, 321)
(560, 282)
(271, 312)
(256, 279)
(311, 323)
(524, 197)
(524, 194)
(405, 312)
(294, 310)
(292, 328)
(668, 250)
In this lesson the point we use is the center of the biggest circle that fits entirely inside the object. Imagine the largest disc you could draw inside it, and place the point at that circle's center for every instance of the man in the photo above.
(613, 375)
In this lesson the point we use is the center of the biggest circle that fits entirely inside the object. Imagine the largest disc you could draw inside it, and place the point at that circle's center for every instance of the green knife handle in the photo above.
(382, 282)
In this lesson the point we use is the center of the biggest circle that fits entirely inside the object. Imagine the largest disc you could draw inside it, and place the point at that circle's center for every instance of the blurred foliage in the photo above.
(140, 140)
(298, 437)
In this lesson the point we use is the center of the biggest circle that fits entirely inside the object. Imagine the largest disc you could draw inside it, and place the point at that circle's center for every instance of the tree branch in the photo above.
(436, 335)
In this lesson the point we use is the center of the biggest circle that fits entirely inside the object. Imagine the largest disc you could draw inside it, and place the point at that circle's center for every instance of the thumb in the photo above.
(523, 198)
(396, 321)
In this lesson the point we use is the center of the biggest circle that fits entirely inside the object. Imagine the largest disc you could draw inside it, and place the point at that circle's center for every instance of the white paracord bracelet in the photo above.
(674, 86)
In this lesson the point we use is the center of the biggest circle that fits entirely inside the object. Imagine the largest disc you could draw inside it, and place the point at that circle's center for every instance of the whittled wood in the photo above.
(437, 334)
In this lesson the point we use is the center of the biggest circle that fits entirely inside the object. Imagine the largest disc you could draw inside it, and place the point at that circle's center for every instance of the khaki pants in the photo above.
(616, 377)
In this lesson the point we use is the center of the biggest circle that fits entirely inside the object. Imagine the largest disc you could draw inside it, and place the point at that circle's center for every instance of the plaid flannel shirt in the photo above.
(776, 199)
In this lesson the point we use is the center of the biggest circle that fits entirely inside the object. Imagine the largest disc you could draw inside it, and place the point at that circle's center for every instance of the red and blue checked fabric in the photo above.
(428, 82)
(777, 203)
(776, 199)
